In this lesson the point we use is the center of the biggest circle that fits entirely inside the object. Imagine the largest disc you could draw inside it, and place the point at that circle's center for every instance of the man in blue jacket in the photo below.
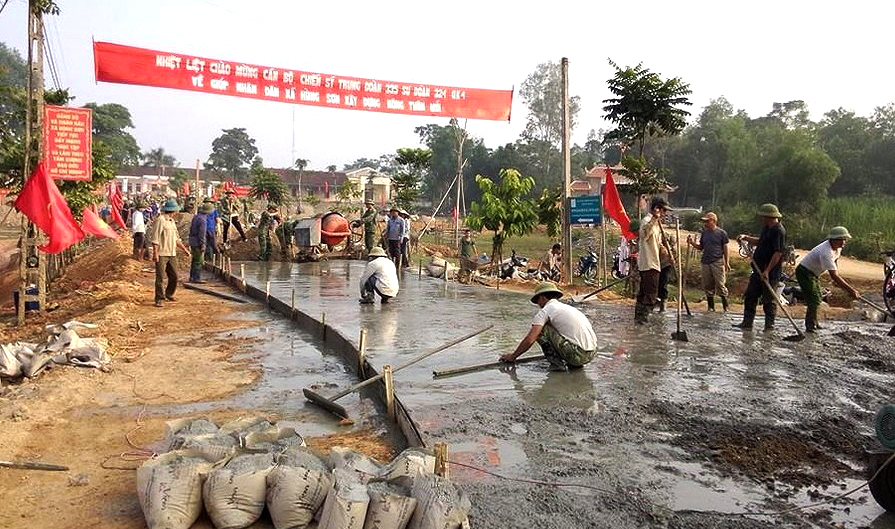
(198, 232)
(211, 231)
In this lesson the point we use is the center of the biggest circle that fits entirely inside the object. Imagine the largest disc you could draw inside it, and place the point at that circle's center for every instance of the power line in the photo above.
(3, 6)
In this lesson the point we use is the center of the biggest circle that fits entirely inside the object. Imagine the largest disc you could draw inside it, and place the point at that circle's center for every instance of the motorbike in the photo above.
(514, 267)
(790, 293)
(587, 266)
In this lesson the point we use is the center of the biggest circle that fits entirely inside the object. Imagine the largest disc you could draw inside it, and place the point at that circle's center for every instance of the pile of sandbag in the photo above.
(63, 346)
(236, 470)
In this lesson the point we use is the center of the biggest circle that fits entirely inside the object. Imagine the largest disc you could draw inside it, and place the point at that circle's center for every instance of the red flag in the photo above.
(91, 224)
(186, 189)
(612, 205)
(116, 204)
(43, 204)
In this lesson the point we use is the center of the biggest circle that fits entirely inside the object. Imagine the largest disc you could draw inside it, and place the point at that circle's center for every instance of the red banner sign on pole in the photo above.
(67, 143)
(116, 63)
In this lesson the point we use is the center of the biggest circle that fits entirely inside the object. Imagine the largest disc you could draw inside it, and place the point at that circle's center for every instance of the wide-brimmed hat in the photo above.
(660, 202)
(548, 289)
(229, 192)
(377, 252)
(206, 208)
(369, 203)
(271, 208)
(394, 208)
(171, 206)
(769, 210)
(838, 232)
(709, 216)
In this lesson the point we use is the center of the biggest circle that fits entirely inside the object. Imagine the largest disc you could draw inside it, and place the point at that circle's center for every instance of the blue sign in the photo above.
(585, 210)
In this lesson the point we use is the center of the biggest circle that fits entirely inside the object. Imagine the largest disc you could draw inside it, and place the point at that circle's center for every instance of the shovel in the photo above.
(679, 335)
(602, 288)
(879, 308)
(330, 405)
(676, 263)
(795, 338)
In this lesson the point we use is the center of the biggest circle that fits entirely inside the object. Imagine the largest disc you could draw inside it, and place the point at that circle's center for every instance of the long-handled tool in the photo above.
(329, 403)
(879, 308)
(488, 365)
(679, 335)
(675, 262)
(795, 338)
(602, 288)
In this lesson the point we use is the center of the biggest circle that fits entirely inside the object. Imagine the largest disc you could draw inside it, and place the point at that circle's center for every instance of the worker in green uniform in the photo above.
(284, 235)
(268, 219)
(369, 221)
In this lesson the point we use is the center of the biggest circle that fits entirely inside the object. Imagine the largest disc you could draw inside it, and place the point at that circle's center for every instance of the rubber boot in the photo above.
(724, 303)
(661, 305)
(811, 324)
(748, 319)
(770, 315)
(710, 300)
(641, 313)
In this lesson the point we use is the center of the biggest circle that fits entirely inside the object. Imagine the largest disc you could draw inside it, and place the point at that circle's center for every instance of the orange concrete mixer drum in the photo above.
(333, 229)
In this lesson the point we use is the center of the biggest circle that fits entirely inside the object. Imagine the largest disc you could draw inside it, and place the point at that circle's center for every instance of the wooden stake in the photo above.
(362, 354)
(292, 313)
(441, 456)
(389, 391)
(242, 272)
(323, 324)
(267, 293)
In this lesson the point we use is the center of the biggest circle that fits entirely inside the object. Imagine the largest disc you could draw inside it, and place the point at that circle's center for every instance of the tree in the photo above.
(268, 186)
(846, 137)
(504, 209)
(413, 164)
(231, 152)
(542, 94)
(331, 168)
(178, 179)
(384, 164)
(111, 122)
(159, 159)
(300, 164)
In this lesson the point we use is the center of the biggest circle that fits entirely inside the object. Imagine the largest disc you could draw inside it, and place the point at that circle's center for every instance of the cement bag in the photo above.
(346, 502)
(179, 429)
(243, 426)
(10, 366)
(390, 507)
(215, 446)
(296, 488)
(407, 466)
(273, 440)
(234, 495)
(363, 467)
(169, 488)
(440, 504)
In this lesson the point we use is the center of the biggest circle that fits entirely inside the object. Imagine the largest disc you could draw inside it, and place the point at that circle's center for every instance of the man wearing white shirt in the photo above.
(138, 230)
(819, 260)
(563, 332)
(379, 277)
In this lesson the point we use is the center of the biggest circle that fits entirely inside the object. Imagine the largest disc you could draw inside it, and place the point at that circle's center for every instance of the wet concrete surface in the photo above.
(673, 434)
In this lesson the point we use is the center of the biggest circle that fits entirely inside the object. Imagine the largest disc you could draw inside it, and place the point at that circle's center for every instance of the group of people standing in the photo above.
(655, 259)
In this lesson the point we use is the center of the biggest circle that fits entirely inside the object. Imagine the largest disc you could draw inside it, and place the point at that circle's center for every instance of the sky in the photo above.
(753, 53)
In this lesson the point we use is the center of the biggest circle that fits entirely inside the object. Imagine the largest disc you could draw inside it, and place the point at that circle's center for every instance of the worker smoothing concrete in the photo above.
(822, 258)
(379, 277)
(768, 256)
(563, 332)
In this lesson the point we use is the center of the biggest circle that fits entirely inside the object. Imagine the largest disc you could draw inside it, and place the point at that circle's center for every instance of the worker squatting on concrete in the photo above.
(822, 258)
(550, 263)
(565, 334)
(379, 277)
(648, 263)
(767, 259)
(198, 229)
(165, 240)
(265, 225)
(369, 221)
(715, 264)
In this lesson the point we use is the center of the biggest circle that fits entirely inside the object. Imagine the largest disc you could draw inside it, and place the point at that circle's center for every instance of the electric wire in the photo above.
(2, 7)
(50, 59)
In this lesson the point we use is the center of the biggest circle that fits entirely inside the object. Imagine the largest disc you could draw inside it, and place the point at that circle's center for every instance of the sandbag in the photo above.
(273, 440)
(364, 467)
(244, 426)
(296, 488)
(216, 446)
(10, 366)
(169, 489)
(440, 504)
(234, 495)
(178, 429)
(390, 507)
(346, 502)
(407, 466)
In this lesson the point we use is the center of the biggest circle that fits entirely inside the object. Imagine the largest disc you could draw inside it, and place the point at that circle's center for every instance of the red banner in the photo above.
(67, 143)
(128, 65)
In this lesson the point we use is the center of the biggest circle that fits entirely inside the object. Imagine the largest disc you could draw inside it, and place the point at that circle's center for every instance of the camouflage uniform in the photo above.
(264, 226)
(284, 235)
(369, 220)
(558, 348)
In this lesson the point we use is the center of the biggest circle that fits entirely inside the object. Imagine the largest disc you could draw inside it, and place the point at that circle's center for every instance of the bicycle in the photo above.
(889, 281)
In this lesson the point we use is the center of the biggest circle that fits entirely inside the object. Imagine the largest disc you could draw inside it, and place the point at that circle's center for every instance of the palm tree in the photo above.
(300, 163)
(159, 159)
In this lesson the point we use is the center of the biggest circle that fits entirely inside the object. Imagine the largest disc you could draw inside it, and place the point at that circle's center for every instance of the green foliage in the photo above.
(111, 122)
(268, 186)
(158, 158)
(231, 152)
(504, 209)
(414, 164)
(384, 164)
(312, 199)
(646, 180)
(177, 180)
(80, 195)
(349, 190)
(645, 105)
(550, 210)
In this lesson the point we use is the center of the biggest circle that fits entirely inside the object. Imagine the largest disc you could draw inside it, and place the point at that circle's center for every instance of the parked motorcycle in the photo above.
(587, 266)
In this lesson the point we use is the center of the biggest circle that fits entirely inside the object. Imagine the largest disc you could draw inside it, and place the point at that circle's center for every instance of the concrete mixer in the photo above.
(324, 233)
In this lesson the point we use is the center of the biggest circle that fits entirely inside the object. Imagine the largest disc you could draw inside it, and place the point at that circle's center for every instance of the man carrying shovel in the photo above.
(563, 332)
(766, 267)
(819, 260)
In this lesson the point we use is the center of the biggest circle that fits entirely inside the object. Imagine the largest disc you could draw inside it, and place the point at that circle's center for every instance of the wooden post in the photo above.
(267, 293)
(242, 273)
(567, 176)
(362, 354)
(389, 391)
(292, 313)
(421, 269)
(323, 325)
(441, 456)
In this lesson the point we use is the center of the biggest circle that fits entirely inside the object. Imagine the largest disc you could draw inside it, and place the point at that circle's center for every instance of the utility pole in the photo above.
(32, 262)
(461, 139)
(566, 176)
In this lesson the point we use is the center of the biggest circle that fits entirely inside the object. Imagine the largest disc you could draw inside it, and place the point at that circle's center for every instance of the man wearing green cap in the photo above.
(369, 220)
(230, 215)
(822, 258)
(197, 240)
(563, 332)
(769, 247)
(267, 223)
(379, 277)
(165, 240)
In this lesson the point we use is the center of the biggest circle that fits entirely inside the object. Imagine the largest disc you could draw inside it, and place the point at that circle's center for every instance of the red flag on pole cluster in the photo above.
(116, 204)
(93, 225)
(612, 205)
(43, 204)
